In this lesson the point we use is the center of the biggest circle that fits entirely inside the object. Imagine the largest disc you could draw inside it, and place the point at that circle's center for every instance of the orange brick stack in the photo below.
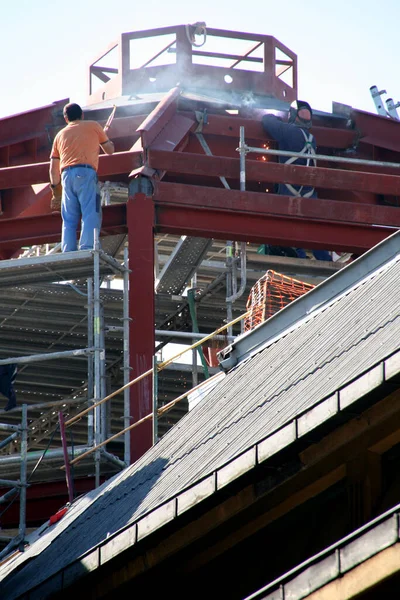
(271, 293)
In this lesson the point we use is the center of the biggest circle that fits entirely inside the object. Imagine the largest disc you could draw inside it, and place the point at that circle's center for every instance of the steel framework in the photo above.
(185, 86)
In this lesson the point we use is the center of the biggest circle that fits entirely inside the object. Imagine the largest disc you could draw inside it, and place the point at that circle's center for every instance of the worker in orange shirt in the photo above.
(74, 161)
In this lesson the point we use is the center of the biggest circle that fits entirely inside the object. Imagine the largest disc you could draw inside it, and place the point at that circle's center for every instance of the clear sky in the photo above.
(343, 46)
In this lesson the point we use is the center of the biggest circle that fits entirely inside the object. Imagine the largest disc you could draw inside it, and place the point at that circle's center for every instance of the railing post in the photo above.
(66, 458)
(23, 478)
(155, 400)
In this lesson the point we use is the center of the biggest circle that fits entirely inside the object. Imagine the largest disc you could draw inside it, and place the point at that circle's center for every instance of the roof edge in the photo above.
(313, 301)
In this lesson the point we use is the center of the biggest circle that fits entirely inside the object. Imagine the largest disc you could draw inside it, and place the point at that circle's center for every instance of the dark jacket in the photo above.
(290, 137)
(8, 374)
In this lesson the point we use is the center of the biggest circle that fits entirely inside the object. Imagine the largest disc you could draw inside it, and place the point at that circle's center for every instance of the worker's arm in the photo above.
(108, 147)
(274, 126)
(54, 173)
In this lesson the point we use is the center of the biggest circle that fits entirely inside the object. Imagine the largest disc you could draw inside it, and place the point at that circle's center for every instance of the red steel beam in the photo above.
(25, 125)
(230, 214)
(228, 126)
(124, 127)
(377, 130)
(46, 228)
(268, 171)
(114, 164)
(159, 117)
(255, 217)
(140, 219)
(323, 210)
(274, 230)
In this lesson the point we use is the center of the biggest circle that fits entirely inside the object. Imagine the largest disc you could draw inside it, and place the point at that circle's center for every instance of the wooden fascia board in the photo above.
(371, 430)
(362, 578)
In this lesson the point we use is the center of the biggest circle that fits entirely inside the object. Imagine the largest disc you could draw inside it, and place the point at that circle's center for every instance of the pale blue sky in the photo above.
(343, 46)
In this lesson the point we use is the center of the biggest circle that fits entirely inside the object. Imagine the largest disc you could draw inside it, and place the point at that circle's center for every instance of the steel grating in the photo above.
(182, 264)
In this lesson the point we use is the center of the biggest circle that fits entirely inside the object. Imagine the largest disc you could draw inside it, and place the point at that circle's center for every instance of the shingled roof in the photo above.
(301, 368)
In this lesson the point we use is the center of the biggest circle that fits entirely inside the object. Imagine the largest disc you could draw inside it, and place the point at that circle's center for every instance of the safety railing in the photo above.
(17, 488)
(244, 149)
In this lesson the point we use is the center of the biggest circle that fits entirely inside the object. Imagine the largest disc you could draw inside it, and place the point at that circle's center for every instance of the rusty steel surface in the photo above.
(341, 238)
(159, 73)
(30, 174)
(264, 205)
(159, 117)
(140, 219)
(256, 170)
(378, 130)
(46, 228)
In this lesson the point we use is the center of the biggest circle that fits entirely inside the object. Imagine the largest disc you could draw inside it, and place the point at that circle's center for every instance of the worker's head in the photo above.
(300, 113)
(72, 112)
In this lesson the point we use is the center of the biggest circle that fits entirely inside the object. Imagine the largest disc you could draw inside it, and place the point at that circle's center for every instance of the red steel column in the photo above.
(140, 222)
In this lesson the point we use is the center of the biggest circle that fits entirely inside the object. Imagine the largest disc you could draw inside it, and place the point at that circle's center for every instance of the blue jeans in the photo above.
(79, 201)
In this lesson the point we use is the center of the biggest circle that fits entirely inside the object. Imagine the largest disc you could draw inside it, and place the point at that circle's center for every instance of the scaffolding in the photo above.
(62, 270)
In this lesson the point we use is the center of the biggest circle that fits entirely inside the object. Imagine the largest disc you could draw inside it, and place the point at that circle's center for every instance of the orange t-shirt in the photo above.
(78, 143)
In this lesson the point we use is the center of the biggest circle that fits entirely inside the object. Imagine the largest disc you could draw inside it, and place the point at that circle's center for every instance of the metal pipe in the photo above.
(50, 455)
(243, 274)
(65, 453)
(234, 272)
(195, 377)
(229, 283)
(90, 386)
(243, 247)
(103, 389)
(180, 334)
(10, 495)
(40, 405)
(113, 459)
(126, 358)
(342, 159)
(243, 269)
(97, 355)
(46, 356)
(155, 400)
(9, 439)
(7, 427)
(9, 483)
(190, 335)
(192, 308)
(23, 479)
(242, 162)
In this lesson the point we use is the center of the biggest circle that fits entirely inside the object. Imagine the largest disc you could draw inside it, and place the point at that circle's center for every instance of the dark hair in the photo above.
(72, 111)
